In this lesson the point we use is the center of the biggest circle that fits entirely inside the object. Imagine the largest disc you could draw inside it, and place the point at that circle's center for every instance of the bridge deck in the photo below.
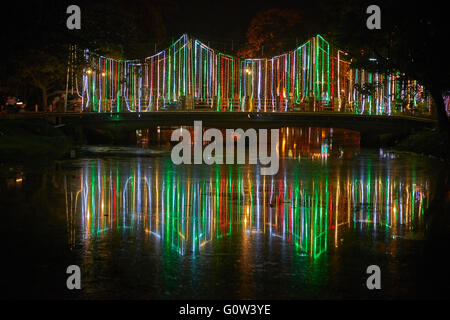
(359, 122)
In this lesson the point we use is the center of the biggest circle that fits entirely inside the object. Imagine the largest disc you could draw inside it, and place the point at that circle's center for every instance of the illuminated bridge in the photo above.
(311, 86)
(189, 75)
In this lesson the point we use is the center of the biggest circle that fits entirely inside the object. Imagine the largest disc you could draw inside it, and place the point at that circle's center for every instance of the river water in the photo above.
(141, 227)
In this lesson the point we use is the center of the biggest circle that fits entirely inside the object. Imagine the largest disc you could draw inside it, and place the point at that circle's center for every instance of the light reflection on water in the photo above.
(309, 204)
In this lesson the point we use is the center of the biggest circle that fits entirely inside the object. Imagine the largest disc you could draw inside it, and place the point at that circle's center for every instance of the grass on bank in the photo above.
(28, 140)
(428, 141)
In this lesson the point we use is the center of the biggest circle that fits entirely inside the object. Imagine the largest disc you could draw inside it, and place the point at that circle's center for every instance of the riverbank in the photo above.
(25, 140)
(22, 140)
(429, 142)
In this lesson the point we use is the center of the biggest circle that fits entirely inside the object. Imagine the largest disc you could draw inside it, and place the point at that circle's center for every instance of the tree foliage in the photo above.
(268, 31)
(38, 40)
(411, 40)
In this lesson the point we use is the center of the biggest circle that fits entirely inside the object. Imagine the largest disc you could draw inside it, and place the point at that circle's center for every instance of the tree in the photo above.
(38, 42)
(268, 30)
(411, 40)
(43, 69)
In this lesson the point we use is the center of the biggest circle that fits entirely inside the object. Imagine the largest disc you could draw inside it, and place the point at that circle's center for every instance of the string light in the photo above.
(314, 74)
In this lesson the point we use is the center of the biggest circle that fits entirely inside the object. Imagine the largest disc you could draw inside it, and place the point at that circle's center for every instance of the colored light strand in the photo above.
(313, 77)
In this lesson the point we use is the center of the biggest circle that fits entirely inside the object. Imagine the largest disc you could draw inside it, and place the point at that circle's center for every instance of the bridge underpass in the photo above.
(370, 127)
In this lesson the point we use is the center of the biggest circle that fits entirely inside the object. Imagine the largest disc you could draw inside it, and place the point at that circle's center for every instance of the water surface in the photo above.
(141, 227)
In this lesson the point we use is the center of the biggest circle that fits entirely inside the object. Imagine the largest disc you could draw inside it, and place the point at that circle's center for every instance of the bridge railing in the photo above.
(253, 105)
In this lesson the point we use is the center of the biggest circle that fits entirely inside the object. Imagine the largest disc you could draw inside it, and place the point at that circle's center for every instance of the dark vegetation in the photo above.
(31, 140)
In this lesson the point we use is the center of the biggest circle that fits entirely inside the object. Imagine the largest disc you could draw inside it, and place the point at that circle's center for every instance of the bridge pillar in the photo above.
(375, 140)
(153, 136)
(189, 102)
(369, 139)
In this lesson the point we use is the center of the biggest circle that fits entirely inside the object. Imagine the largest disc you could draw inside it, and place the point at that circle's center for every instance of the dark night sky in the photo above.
(33, 22)
(28, 24)
(218, 19)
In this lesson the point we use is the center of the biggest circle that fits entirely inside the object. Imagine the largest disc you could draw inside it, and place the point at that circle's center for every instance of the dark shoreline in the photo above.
(38, 140)
(23, 141)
